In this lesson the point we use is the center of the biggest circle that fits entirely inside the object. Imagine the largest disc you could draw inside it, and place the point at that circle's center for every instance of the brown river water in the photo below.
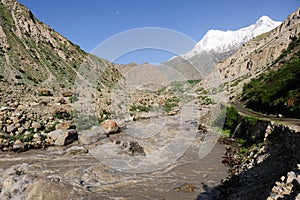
(171, 168)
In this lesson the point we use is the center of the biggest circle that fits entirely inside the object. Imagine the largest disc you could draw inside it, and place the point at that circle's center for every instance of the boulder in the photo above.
(18, 146)
(62, 125)
(11, 128)
(55, 134)
(110, 126)
(63, 137)
(93, 135)
(36, 125)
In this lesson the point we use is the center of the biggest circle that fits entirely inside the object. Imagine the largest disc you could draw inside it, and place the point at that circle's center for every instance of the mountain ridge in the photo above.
(225, 41)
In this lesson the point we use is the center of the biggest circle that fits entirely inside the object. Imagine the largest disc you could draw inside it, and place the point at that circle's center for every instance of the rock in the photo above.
(62, 126)
(4, 108)
(45, 92)
(18, 146)
(15, 120)
(67, 93)
(3, 134)
(11, 128)
(132, 147)
(290, 177)
(202, 128)
(61, 101)
(36, 125)
(136, 148)
(68, 137)
(21, 130)
(63, 137)
(172, 113)
(110, 126)
(55, 134)
(76, 150)
(95, 134)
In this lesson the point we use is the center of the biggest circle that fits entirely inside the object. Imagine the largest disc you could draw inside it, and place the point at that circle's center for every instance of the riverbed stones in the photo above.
(286, 186)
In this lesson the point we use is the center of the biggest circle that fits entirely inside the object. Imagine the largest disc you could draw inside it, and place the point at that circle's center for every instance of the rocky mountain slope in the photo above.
(277, 91)
(38, 69)
(33, 53)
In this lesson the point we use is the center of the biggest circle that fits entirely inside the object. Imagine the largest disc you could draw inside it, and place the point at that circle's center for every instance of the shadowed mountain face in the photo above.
(33, 53)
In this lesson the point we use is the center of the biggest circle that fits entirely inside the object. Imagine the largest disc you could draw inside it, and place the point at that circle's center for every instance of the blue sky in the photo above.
(90, 22)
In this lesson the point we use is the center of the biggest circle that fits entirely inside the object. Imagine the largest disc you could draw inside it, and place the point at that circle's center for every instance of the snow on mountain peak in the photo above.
(225, 41)
(264, 20)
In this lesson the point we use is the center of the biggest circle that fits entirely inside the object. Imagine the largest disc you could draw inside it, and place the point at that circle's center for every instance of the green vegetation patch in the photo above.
(277, 91)
(170, 103)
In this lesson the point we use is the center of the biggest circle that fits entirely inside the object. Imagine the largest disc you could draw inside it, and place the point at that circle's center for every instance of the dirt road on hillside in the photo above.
(241, 109)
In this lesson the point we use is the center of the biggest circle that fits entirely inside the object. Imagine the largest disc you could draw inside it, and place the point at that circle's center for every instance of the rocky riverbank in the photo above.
(267, 170)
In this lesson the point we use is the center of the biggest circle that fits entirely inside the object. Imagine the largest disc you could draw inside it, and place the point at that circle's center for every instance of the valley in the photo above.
(220, 122)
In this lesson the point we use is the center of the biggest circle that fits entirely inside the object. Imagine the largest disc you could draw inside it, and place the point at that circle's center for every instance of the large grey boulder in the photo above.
(93, 135)
(63, 137)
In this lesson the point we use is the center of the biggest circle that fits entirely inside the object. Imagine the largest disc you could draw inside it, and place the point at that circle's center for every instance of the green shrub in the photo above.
(170, 103)
(231, 117)
(250, 120)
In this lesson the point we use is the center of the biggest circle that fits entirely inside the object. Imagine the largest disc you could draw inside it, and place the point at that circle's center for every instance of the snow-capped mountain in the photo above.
(217, 45)
(226, 41)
